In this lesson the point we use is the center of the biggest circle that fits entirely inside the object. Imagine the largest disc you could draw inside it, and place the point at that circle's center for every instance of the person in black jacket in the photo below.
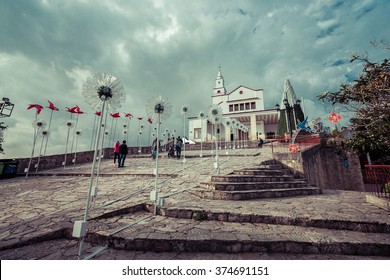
(122, 154)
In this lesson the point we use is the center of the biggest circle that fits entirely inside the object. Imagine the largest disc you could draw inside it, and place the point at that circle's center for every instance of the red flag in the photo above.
(78, 110)
(115, 115)
(36, 106)
(51, 106)
(128, 115)
(98, 113)
(140, 118)
(150, 120)
(72, 110)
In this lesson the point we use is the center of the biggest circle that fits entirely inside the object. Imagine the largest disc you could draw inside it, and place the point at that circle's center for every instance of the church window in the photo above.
(242, 107)
(247, 106)
(230, 108)
(235, 107)
(241, 92)
(253, 105)
(218, 91)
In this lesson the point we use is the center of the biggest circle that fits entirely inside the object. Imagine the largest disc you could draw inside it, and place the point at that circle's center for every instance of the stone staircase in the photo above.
(270, 180)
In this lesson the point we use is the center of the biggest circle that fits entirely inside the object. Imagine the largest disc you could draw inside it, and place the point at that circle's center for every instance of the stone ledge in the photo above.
(379, 202)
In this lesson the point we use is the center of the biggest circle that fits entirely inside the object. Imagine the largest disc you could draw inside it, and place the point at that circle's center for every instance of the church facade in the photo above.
(243, 104)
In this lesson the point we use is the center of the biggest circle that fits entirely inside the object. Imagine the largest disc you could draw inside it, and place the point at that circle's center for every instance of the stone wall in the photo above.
(332, 168)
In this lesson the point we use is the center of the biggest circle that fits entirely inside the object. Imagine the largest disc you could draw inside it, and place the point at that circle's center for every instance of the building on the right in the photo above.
(290, 112)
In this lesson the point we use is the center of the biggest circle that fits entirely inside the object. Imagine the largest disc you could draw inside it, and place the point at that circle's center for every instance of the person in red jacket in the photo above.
(116, 151)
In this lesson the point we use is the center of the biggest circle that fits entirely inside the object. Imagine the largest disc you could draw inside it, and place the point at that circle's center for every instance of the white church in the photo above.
(243, 104)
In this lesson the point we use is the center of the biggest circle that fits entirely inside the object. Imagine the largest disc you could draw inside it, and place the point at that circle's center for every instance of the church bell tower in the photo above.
(219, 88)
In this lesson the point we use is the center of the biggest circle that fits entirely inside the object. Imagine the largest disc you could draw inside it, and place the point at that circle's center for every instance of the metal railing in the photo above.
(377, 180)
(301, 144)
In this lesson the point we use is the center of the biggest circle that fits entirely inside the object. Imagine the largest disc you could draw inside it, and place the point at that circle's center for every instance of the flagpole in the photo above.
(39, 156)
(48, 129)
(93, 131)
(99, 161)
(67, 141)
(32, 152)
(91, 181)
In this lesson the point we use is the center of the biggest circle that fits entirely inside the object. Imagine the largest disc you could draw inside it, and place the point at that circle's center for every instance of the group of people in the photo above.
(120, 150)
(171, 147)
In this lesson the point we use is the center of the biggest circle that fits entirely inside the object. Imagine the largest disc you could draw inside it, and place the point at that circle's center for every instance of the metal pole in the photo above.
(91, 181)
(39, 156)
(93, 132)
(216, 150)
(48, 129)
(67, 141)
(201, 137)
(184, 142)
(156, 166)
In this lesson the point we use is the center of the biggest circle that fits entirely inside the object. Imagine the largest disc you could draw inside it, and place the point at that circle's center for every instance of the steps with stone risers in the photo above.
(254, 194)
(251, 186)
(165, 234)
(270, 180)
(252, 178)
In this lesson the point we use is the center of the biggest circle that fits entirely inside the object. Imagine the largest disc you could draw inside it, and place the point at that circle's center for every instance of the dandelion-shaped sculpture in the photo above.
(215, 117)
(159, 108)
(39, 126)
(184, 111)
(201, 117)
(78, 134)
(100, 91)
(44, 134)
(228, 123)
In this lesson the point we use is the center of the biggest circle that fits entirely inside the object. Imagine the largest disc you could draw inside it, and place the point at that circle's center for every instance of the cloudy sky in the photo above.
(173, 48)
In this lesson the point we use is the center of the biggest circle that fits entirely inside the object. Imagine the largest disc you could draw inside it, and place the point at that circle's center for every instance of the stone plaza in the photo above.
(193, 222)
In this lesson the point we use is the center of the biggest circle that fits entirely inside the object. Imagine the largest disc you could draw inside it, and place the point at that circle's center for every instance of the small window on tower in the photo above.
(242, 107)
(235, 107)
(230, 108)
(247, 106)
(218, 91)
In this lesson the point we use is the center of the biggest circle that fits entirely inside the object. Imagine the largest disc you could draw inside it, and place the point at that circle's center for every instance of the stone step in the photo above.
(255, 172)
(253, 194)
(165, 234)
(302, 220)
(251, 178)
(248, 186)
(265, 167)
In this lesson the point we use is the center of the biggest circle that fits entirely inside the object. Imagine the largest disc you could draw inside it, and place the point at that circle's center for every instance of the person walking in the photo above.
(116, 151)
(260, 144)
(179, 144)
(122, 154)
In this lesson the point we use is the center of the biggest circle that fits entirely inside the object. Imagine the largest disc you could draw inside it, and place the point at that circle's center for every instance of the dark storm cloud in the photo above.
(173, 48)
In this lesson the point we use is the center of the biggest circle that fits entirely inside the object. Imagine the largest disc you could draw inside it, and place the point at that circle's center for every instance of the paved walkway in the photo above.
(38, 213)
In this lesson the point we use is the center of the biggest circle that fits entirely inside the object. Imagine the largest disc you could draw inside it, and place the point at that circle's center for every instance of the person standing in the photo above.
(179, 144)
(116, 151)
(122, 154)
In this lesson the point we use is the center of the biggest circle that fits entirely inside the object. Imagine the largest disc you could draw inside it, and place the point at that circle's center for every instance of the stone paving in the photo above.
(38, 213)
